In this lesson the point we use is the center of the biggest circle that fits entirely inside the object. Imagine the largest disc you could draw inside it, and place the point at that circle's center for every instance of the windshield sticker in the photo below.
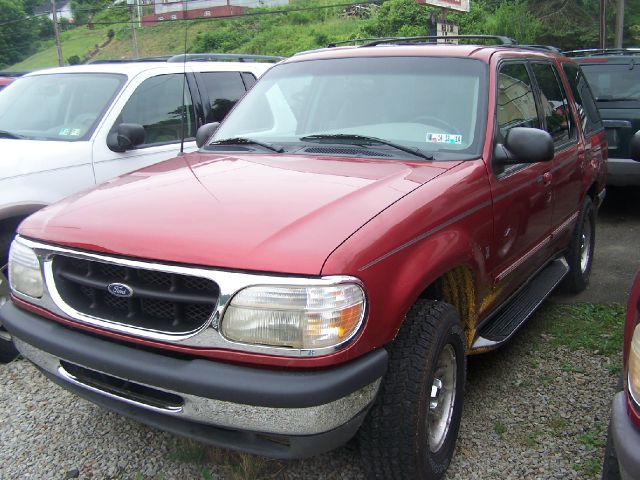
(75, 132)
(444, 138)
(64, 132)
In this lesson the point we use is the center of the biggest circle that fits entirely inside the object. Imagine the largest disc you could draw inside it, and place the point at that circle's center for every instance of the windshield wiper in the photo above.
(248, 141)
(7, 134)
(363, 140)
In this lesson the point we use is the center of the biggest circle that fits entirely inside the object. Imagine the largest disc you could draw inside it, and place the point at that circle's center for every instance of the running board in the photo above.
(511, 317)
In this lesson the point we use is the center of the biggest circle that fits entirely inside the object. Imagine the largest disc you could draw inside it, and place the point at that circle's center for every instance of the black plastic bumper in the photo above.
(204, 378)
(626, 439)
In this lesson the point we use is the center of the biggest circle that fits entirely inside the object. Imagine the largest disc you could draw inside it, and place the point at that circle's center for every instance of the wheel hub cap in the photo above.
(442, 398)
(585, 245)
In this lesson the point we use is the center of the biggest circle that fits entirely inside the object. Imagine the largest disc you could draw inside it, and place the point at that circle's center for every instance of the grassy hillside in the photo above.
(265, 34)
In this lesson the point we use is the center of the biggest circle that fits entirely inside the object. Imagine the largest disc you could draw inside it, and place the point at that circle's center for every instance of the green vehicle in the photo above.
(614, 78)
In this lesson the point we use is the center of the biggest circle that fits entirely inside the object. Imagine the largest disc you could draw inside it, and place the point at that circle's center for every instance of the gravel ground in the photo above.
(532, 411)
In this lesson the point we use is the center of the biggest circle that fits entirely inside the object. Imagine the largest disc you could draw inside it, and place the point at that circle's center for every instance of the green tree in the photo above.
(84, 10)
(16, 32)
(402, 18)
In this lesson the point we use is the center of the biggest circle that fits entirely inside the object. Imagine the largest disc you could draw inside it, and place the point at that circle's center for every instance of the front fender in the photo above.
(445, 224)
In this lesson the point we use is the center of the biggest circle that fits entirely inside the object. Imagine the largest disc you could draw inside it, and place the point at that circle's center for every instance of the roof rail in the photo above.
(12, 74)
(502, 40)
(549, 48)
(223, 57)
(592, 52)
(155, 58)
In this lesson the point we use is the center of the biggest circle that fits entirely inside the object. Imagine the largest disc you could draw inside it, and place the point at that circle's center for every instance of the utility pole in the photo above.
(603, 24)
(134, 39)
(56, 31)
(619, 23)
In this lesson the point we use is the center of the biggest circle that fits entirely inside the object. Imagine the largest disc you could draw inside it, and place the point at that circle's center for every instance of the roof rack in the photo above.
(549, 48)
(12, 74)
(502, 40)
(223, 57)
(593, 52)
(155, 58)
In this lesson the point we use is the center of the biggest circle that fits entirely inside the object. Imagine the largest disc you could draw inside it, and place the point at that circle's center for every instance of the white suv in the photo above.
(66, 129)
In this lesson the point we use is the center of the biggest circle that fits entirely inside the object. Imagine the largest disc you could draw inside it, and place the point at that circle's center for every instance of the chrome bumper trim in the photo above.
(281, 421)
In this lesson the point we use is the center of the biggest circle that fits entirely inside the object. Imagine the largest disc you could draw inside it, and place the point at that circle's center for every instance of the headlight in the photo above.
(24, 271)
(298, 317)
(634, 366)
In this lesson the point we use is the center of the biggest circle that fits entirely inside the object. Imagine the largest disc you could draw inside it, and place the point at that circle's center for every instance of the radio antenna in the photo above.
(184, 80)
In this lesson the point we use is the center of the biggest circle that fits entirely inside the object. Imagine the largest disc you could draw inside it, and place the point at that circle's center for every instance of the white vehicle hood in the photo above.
(24, 157)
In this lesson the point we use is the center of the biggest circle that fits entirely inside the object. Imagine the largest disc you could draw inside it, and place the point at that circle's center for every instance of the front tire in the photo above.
(412, 427)
(580, 253)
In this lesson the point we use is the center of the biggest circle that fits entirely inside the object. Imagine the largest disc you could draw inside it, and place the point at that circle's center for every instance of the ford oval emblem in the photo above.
(120, 290)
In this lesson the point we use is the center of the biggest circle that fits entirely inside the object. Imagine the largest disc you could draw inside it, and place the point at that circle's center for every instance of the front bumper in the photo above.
(283, 414)
(626, 439)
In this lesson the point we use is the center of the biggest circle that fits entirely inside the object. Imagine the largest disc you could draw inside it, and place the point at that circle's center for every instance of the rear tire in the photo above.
(411, 430)
(580, 253)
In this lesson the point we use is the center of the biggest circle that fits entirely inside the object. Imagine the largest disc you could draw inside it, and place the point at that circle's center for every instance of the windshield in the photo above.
(431, 105)
(63, 106)
(613, 82)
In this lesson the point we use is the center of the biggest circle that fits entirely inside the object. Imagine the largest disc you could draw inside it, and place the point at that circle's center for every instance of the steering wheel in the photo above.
(446, 127)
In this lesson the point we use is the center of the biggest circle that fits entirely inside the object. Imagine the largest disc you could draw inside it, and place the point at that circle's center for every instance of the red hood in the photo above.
(274, 213)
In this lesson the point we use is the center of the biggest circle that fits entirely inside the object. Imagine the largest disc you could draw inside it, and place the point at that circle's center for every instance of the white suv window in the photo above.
(157, 105)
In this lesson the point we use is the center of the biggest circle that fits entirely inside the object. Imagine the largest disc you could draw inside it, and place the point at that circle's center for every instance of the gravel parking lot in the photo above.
(533, 410)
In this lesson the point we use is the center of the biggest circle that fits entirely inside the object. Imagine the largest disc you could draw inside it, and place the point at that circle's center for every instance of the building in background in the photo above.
(156, 11)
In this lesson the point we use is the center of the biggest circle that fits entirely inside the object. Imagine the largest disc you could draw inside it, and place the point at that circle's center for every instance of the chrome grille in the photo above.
(161, 301)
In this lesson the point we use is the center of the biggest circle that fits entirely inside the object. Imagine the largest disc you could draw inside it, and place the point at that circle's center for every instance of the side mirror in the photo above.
(634, 147)
(126, 137)
(204, 133)
(524, 145)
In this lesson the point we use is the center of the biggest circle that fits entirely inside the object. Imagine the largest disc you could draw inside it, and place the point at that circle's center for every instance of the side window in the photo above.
(224, 90)
(554, 104)
(516, 103)
(249, 80)
(585, 103)
(157, 105)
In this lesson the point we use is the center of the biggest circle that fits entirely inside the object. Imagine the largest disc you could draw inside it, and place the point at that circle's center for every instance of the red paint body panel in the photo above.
(258, 212)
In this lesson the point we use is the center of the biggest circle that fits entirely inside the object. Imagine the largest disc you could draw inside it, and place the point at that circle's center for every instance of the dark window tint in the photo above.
(585, 104)
(554, 104)
(224, 89)
(516, 103)
(157, 105)
(249, 80)
(611, 83)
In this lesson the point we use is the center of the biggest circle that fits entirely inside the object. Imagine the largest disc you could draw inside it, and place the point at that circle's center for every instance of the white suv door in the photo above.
(156, 103)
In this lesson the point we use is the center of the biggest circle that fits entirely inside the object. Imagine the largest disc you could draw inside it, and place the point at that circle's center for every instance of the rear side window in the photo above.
(585, 103)
(554, 104)
(224, 89)
(249, 80)
(516, 102)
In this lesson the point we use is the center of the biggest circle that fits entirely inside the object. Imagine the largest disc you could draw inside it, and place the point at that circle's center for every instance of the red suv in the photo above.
(364, 219)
